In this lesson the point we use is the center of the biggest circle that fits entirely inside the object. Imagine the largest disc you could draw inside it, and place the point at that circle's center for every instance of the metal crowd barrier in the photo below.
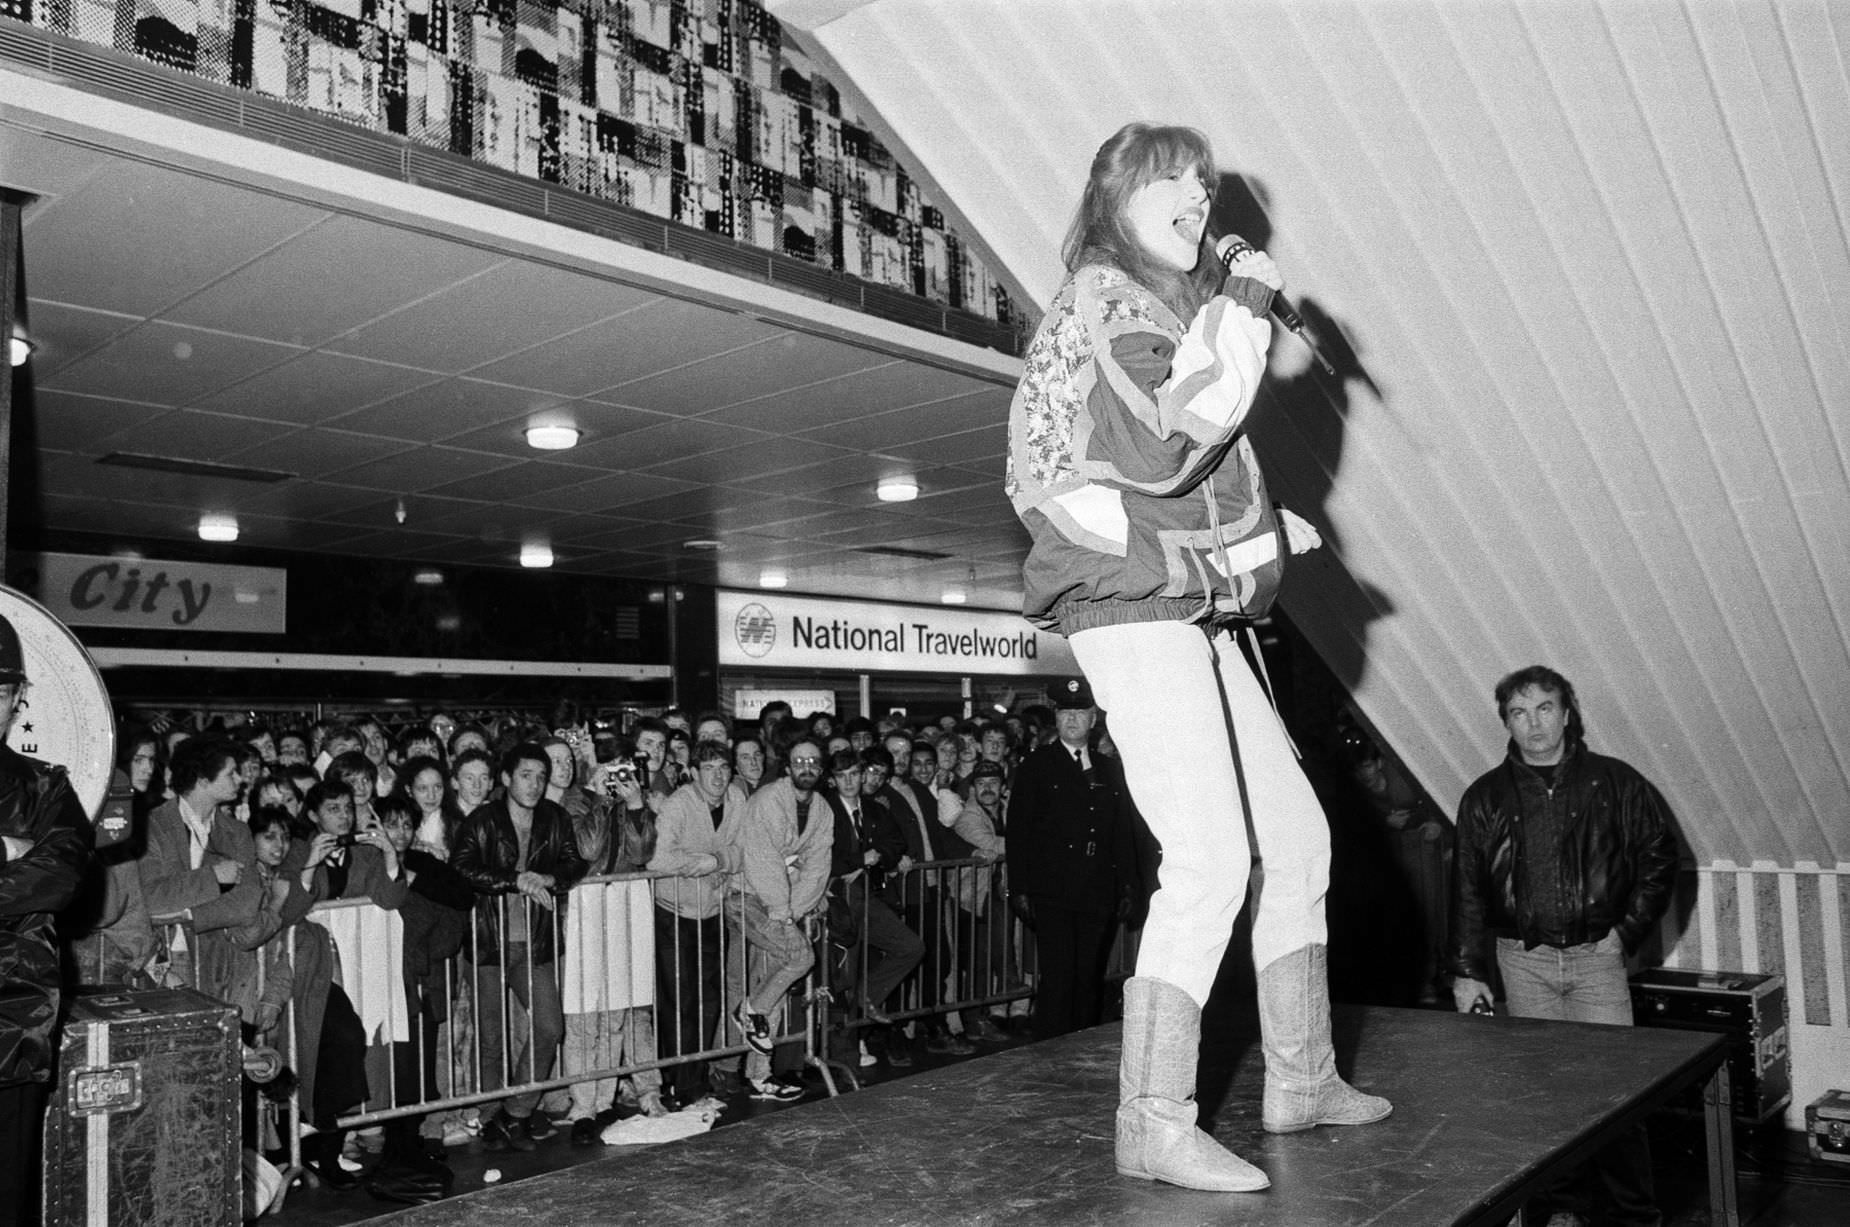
(976, 953)
(610, 940)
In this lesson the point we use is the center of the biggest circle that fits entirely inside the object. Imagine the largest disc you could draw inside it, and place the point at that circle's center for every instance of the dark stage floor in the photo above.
(1021, 1134)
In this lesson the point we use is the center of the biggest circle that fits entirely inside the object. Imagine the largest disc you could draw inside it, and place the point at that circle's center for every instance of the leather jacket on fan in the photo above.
(487, 855)
(1618, 857)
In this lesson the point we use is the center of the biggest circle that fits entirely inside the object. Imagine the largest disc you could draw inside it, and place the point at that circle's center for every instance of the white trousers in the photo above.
(1172, 694)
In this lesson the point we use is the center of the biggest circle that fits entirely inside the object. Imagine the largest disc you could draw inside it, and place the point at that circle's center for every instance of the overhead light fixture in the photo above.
(897, 489)
(20, 345)
(703, 543)
(430, 577)
(554, 437)
(773, 577)
(536, 554)
(954, 596)
(216, 527)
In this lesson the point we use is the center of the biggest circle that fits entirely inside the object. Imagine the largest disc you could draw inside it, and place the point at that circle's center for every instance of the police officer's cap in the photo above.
(12, 659)
(1072, 692)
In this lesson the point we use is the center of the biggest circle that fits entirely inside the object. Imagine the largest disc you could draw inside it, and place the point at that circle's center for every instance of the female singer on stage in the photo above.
(1153, 536)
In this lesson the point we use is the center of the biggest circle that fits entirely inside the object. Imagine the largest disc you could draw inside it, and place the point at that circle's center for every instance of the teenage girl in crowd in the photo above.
(1153, 535)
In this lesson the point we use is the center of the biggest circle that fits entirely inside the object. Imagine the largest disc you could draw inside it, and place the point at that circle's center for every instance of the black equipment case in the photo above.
(143, 1125)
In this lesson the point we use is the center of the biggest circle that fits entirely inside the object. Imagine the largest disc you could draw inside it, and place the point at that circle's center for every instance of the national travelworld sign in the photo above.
(773, 631)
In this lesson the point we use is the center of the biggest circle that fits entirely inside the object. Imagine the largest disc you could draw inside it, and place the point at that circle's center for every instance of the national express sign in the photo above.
(771, 631)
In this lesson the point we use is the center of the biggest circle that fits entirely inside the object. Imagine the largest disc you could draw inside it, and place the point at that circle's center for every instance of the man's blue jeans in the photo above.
(1583, 984)
(1570, 983)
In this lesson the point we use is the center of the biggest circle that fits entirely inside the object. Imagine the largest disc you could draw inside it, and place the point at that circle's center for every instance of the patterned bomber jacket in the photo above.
(1126, 463)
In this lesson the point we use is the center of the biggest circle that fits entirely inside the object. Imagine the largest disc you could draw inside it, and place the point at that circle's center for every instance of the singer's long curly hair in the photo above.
(1140, 153)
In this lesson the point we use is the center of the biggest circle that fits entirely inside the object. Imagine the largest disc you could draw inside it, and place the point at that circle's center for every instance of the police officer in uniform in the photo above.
(1071, 861)
(44, 846)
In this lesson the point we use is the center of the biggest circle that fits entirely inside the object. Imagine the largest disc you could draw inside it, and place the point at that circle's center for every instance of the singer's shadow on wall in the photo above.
(1298, 425)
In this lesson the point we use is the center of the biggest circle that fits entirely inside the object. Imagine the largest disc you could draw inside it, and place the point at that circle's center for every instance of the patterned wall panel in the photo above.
(695, 111)
(1768, 918)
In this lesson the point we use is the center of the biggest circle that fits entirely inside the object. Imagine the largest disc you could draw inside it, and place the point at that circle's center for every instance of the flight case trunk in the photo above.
(1750, 1009)
(143, 1125)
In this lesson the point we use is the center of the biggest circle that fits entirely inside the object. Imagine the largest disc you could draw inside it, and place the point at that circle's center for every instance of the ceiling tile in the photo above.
(112, 485)
(184, 363)
(138, 237)
(511, 307)
(192, 435)
(398, 543)
(62, 334)
(489, 522)
(778, 362)
(610, 492)
(885, 431)
(440, 411)
(642, 538)
(668, 442)
(824, 405)
(596, 423)
(381, 514)
(316, 452)
(315, 387)
(309, 500)
(423, 470)
(574, 530)
(507, 482)
(399, 267)
(750, 463)
(67, 422)
(987, 445)
(854, 482)
(664, 333)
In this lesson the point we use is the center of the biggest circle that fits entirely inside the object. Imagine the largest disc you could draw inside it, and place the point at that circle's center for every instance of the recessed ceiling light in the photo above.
(216, 527)
(430, 577)
(553, 437)
(954, 596)
(897, 489)
(703, 543)
(20, 347)
(773, 577)
(536, 554)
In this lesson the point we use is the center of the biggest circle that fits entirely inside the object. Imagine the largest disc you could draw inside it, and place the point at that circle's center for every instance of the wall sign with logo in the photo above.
(148, 594)
(746, 704)
(768, 630)
(64, 715)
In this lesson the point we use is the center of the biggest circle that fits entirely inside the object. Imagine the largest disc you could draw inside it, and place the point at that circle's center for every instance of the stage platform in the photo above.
(1484, 1109)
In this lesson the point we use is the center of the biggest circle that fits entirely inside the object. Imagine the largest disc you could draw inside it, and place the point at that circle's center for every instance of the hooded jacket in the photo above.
(1127, 464)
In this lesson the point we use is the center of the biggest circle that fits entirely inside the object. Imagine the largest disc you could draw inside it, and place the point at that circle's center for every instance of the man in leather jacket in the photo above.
(44, 847)
(521, 855)
(1565, 863)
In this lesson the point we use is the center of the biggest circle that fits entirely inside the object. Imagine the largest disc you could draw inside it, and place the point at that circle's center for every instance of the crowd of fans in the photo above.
(875, 854)
(788, 843)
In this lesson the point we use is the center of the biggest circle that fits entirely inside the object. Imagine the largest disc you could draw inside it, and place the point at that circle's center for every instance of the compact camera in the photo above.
(628, 771)
(346, 841)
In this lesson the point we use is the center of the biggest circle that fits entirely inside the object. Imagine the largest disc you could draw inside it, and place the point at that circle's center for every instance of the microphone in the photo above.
(1230, 248)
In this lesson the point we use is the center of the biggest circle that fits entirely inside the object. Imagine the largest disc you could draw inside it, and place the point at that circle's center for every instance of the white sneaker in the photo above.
(773, 1088)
